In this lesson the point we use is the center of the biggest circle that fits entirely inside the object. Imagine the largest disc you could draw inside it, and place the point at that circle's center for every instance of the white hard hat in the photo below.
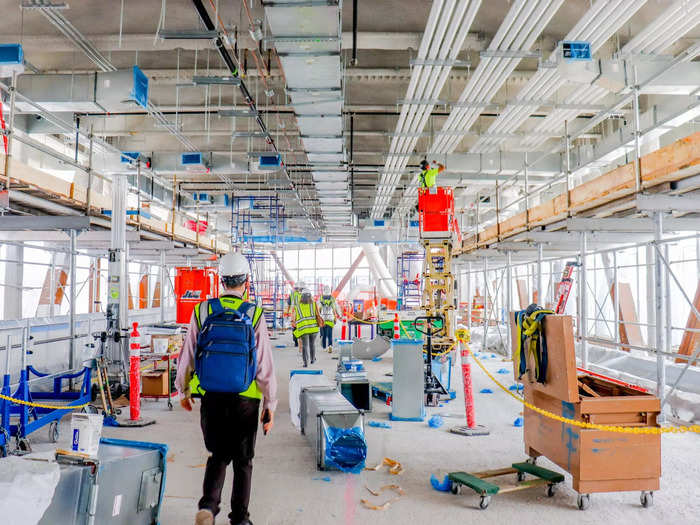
(233, 263)
(299, 284)
(326, 289)
(305, 291)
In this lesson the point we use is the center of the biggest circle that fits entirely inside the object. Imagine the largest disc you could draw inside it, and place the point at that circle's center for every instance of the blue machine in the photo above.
(19, 420)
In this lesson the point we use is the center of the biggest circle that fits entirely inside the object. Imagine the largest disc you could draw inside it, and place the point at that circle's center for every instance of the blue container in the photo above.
(191, 159)
(11, 54)
(140, 90)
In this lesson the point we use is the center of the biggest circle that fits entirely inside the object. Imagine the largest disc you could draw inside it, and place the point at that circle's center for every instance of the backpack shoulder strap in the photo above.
(251, 310)
(215, 306)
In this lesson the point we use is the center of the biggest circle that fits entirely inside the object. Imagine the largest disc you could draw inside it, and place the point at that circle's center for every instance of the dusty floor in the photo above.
(288, 489)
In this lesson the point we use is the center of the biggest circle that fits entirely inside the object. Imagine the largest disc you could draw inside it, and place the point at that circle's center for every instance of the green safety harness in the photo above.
(531, 341)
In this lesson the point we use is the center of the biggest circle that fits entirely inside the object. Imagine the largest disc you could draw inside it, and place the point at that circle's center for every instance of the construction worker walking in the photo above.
(227, 359)
(329, 313)
(428, 175)
(292, 301)
(307, 323)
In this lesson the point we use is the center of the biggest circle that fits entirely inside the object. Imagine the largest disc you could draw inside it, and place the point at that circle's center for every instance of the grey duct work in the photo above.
(308, 40)
(334, 428)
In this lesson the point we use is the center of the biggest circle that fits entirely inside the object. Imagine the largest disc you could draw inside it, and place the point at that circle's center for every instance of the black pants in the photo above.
(326, 336)
(229, 424)
(296, 341)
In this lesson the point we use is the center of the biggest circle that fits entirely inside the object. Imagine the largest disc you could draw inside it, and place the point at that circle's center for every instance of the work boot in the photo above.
(330, 349)
(204, 517)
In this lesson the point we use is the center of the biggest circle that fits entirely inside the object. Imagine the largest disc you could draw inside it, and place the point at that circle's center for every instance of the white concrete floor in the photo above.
(288, 489)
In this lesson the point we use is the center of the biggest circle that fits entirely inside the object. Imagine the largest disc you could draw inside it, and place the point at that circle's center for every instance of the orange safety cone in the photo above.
(135, 375)
(397, 334)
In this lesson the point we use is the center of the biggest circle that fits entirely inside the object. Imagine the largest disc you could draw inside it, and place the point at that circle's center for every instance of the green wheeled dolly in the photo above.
(477, 480)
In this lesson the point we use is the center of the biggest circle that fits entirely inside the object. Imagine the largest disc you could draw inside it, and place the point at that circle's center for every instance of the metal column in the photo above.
(509, 303)
(469, 295)
(616, 298)
(162, 286)
(73, 295)
(637, 131)
(538, 277)
(10, 130)
(660, 301)
(584, 301)
(486, 305)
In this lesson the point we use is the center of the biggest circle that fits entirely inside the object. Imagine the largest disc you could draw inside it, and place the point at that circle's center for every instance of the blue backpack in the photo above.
(225, 360)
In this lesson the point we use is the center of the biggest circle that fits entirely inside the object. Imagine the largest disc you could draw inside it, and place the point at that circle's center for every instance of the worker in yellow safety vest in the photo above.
(329, 313)
(307, 322)
(293, 300)
(229, 418)
(428, 174)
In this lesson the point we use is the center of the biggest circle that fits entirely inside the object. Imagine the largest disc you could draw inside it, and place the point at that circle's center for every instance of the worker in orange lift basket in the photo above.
(428, 174)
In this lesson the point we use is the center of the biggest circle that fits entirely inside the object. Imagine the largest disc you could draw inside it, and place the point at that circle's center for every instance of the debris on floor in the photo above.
(327, 479)
(379, 424)
(486, 391)
(369, 505)
(394, 466)
(518, 422)
(503, 371)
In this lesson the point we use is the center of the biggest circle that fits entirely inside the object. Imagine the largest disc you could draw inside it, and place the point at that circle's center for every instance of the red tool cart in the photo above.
(192, 286)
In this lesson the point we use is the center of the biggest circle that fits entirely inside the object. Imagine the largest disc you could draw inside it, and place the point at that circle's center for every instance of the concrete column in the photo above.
(14, 275)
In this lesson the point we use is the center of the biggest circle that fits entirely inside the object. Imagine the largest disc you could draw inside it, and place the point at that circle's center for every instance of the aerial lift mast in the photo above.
(438, 233)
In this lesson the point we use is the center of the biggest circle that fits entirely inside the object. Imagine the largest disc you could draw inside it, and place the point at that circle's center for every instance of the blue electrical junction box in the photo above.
(576, 50)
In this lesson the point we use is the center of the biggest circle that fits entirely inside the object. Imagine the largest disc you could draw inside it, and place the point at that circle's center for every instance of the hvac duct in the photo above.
(111, 91)
(385, 282)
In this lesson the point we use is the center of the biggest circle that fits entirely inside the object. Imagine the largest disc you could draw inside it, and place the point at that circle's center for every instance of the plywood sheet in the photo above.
(523, 295)
(630, 332)
(663, 165)
(691, 339)
(612, 456)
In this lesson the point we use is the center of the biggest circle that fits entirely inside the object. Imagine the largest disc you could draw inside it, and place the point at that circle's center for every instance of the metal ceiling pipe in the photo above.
(41, 204)
(413, 118)
(545, 83)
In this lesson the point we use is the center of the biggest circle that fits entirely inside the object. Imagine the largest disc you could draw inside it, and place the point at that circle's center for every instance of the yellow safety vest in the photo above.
(428, 178)
(231, 303)
(305, 319)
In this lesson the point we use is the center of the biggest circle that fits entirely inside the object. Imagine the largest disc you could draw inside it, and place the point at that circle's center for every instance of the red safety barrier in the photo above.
(397, 333)
(468, 393)
(135, 374)
(344, 331)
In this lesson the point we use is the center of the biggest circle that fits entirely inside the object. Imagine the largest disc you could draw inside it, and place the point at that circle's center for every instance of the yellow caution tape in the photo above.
(41, 405)
(585, 424)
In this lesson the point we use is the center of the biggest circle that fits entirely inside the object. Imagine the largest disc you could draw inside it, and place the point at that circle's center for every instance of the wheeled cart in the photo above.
(19, 420)
(599, 460)
(476, 481)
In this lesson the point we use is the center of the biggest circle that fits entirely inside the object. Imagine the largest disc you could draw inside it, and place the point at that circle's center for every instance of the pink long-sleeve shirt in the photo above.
(265, 376)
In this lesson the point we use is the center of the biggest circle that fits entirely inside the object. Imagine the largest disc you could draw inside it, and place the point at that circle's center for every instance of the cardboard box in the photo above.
(160, 343)
(154, 383)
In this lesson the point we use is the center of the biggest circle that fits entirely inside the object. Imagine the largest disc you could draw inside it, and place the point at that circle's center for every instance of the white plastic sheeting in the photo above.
(26, 488)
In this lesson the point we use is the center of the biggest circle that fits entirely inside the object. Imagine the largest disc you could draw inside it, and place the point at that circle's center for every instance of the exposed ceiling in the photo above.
(389, 37)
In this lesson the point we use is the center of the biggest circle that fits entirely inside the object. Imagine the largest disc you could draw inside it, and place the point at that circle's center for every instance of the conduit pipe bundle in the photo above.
(447, 27)
(523, 24)
(600, 22)
(677, 20)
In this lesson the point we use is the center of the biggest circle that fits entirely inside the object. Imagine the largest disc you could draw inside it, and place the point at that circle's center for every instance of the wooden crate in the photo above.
(599, 461)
